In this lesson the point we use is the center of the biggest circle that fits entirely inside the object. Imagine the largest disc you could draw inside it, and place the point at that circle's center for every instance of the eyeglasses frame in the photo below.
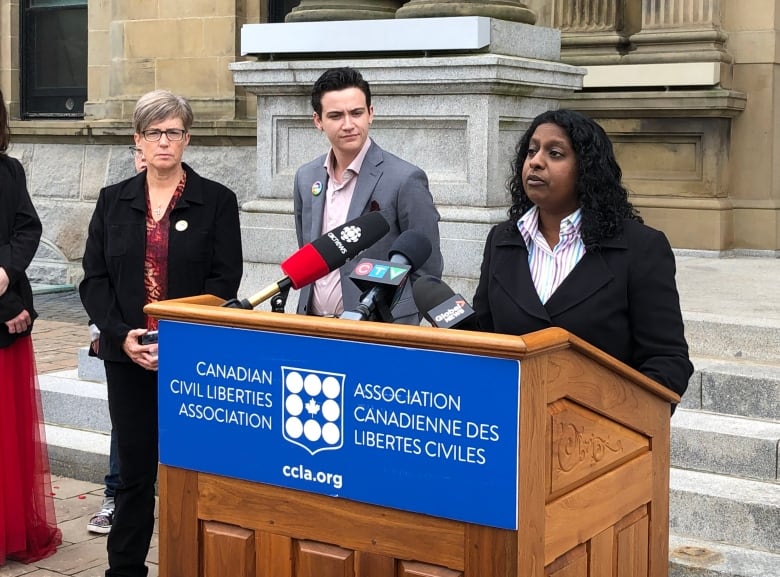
(183, 131)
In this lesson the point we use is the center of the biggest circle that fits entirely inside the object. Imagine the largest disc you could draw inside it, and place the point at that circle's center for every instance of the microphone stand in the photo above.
(279, 301)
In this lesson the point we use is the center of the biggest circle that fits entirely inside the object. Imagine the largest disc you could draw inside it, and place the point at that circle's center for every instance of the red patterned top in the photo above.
(156, 260)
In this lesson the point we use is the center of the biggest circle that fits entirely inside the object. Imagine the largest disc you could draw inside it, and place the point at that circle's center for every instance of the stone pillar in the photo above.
(512, 10)
(595, 32)
(457, 115)
(321, 10)
(680, 31)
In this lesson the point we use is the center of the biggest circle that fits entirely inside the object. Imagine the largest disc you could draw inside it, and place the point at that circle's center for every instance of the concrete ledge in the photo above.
(638, 75)
(700, 558)
(459, 34)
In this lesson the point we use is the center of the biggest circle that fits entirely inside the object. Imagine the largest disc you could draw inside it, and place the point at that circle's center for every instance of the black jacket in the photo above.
(204, 253)
(20, 233)
(622, 298)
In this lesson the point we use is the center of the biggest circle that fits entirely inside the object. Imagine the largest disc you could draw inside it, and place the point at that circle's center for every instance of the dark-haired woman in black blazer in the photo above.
(575, 254)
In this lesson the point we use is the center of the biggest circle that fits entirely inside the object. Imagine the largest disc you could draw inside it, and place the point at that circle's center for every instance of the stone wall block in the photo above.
(23, 152)
(146, 10)
(97, 170)
(220, 37)
(64, 224)
(195, 77)
(672, 157)
(99, 14)
(164, 38)
(267, 234)
(57, 171)
(130, 79)
(738, 19)
(100, 42)
(233, 166)
(198, 8)
(98, 80)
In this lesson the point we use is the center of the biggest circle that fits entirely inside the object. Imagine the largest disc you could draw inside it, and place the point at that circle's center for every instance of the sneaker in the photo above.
(101, 521)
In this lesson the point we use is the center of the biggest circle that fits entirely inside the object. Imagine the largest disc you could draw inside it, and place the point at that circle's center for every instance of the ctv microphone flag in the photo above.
(321, 256)
(383, 282)
(369, 272)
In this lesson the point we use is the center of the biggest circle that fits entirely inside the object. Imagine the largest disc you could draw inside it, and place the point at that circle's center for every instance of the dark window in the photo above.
(54, 58)
(278, 9)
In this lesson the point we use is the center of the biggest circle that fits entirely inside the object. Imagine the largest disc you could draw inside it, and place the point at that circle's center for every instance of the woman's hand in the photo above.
(19, 323)
(143, 355)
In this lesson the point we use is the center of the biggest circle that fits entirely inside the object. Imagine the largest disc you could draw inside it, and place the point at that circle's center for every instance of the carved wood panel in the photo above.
(584, 444)
(228, 549)
(240, 552)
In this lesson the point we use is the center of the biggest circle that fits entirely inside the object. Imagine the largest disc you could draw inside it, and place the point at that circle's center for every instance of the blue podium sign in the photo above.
(423, 431)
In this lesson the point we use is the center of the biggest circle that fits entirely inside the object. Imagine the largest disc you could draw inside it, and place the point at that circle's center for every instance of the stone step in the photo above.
(74, 403)
(699, 558)
(726, 445)
(78, 427)
(742, 388)
(78, 454)
(741, 512)
(732, 337)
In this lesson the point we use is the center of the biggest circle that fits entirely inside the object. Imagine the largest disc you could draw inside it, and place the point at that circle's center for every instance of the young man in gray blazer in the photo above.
(355, 177)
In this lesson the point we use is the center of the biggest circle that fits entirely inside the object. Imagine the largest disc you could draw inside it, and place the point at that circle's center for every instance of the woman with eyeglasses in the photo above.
(165, 233)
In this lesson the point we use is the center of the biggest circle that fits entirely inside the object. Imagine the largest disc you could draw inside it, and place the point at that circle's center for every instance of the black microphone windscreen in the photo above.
(429, 292)
(340, 245)
(413, 245)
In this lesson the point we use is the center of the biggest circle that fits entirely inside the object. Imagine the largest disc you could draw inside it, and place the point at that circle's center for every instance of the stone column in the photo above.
(680, 31)
(593, 31)
(503, 9)
(322, 10)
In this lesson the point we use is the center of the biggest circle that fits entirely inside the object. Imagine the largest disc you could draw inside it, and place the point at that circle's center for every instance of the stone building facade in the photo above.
(687, 89)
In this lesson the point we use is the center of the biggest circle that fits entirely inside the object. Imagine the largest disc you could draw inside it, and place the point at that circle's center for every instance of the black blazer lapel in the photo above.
(590, 275)
(513, 275)
(193, 190)
(135, 192)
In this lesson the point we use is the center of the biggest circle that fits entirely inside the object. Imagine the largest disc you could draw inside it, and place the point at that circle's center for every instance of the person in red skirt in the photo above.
(28, 528)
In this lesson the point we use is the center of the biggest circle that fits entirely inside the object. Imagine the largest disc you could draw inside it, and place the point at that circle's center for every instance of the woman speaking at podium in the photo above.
(164, 233)
(575, 254)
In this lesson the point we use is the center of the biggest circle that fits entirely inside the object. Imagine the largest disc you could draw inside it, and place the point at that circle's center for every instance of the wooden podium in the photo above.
(593, 492)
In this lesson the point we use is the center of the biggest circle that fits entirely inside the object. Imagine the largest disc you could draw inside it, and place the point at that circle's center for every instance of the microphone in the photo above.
(385, 280)
(441, 306)
(316, 259)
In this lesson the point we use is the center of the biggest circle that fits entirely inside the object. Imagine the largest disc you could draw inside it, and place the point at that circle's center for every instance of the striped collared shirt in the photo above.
(549, 267)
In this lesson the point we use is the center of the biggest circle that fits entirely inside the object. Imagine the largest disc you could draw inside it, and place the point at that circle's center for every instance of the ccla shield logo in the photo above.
(313, 409)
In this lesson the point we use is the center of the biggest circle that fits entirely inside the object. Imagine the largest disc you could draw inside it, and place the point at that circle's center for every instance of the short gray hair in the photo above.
(159, 105)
